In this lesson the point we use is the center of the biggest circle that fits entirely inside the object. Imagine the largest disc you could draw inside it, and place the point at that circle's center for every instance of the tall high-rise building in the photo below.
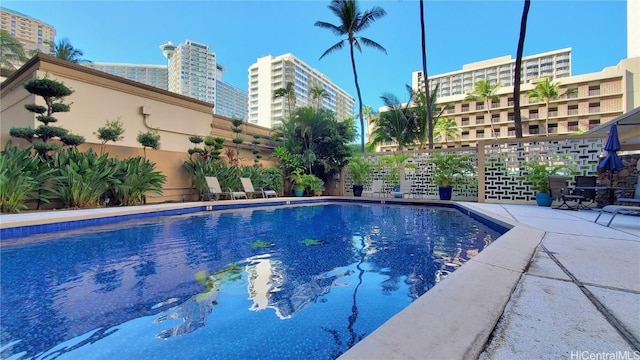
(33, 34)
(192, 70)
(633, 28)
(154, 75)
(269, 74)
(231, 101)
(553, 64)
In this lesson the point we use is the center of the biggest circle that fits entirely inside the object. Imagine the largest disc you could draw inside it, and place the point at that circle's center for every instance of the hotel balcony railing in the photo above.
(479, 121)
(594, 110)
(511, 133)
(479, 107)
(495, 120)
(511, 117)
(534, 131)
(573, 128)
(594, 92)
(510, 103)
(464, 108)
(495, 105)
(572, 96)
(553, 130)
(553, 113)
(465, 137)
(464, 123)
(533, 116)
(572, 112)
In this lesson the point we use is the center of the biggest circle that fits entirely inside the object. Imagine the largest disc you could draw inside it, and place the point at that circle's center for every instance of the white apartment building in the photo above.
(192, 70)
(553, 64)
(633, 28)
(270, 73)
(154, 75)
(32, 33)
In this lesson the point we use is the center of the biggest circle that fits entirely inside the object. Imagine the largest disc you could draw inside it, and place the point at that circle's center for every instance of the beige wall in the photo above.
(99, 97)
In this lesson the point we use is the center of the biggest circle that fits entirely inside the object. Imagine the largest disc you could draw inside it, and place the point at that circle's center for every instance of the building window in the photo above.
(572, 109)
(510, 101)
(594, 107)
(479, 106)
(553, 111)
(594, 90)
(480, 134)
(465, 107)
(511, 116)
(465, 134)
(553, 128)
(511, 131)
(573, 126)
(593, 123)
(465, 121)
(479, 119)
(495, 104)
(534, 130)
(495, 118)
(572, 93)
(533, 114)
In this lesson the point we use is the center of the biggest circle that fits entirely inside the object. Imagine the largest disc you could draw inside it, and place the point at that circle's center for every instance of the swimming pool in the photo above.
(298, 282)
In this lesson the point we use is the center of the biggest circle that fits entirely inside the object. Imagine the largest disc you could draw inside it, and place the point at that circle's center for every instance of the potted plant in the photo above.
(360, 170)
(297, 177)
(314, 184)
(538, 177)
(448, 170)
(396, 165)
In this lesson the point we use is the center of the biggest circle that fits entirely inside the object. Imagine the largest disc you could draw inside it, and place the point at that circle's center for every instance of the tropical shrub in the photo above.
(134, 178)
(81, 177)
(22, 177)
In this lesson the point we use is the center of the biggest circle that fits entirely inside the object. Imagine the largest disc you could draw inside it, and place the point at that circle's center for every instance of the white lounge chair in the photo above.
(376, 188)
(405, 189)
(249, 189)
(214, 191)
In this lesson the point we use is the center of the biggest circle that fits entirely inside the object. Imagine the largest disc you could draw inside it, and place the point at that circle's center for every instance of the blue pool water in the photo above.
(280, 283)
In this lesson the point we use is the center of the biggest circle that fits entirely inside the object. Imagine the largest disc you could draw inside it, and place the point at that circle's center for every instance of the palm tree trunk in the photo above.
(493, 131)
(517, 119)
(546, 119)
(355, 77)
(426, 79)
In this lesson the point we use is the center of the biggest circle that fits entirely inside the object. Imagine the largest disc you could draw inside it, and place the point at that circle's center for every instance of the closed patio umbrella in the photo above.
(612, 161)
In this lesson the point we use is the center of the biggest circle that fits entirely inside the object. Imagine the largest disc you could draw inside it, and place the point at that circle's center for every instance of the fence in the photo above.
(500, 167)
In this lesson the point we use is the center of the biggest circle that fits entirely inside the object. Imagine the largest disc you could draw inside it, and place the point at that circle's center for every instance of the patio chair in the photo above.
(559, 190)
(618, 209)
(213, 190)
(589, 182)
(405, 189)
(247, 185)
(376, 188)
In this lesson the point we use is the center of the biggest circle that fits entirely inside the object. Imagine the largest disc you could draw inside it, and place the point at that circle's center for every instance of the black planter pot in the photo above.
(445, 192)
(357, 190)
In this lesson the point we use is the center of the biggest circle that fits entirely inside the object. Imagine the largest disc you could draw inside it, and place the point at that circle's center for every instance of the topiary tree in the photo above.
(112, 131)
(149, 139)
(53, 93)
(237, 130)
(257, 153)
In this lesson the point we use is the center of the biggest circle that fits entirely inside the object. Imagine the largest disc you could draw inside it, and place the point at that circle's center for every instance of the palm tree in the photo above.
(517, 119)
(486, 92)
(546, 91)
(288, 92)
(317, 94)
(446, 128)
(352, 22)
(65, 51)
(397, 124)
(426, 77)
(423, 111)
(11, 51)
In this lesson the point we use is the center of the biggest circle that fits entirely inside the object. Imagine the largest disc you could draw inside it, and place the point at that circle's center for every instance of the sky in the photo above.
(239, 32)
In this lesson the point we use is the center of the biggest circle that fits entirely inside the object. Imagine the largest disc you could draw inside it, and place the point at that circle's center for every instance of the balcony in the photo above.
(533, 116)
(553, 113)
(572, 112)
(495, 105)
(573, 127)
(479, 106)
(479, 121)
(594, 109)
(573, 95)
(594, 92)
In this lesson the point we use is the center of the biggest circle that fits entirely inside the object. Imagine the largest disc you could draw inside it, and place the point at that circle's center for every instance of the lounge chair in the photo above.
(249, 189)
(405, 189)
(376, 188)
(213, 190)
(559, 190)
(617, 209)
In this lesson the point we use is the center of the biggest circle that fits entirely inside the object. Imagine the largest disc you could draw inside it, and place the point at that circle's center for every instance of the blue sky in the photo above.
(458, 32)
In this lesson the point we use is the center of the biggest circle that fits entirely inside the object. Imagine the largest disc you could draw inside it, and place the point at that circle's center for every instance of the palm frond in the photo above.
(333, 49)
(373, 44)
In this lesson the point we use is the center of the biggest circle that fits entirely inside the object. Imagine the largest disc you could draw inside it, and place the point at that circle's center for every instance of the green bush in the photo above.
(22, 177)
(134, 177)
(81, 177)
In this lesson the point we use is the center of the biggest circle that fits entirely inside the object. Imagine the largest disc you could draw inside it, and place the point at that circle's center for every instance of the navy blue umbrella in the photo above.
(612, 161)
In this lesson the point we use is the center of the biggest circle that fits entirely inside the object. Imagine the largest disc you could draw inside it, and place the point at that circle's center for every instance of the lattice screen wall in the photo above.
(422, 187)
(503, 169)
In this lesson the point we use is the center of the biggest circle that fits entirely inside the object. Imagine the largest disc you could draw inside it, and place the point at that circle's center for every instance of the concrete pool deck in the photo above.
(556, 286)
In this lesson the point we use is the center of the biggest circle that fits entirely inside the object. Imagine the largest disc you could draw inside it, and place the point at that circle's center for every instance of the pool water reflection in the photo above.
(277, 283)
